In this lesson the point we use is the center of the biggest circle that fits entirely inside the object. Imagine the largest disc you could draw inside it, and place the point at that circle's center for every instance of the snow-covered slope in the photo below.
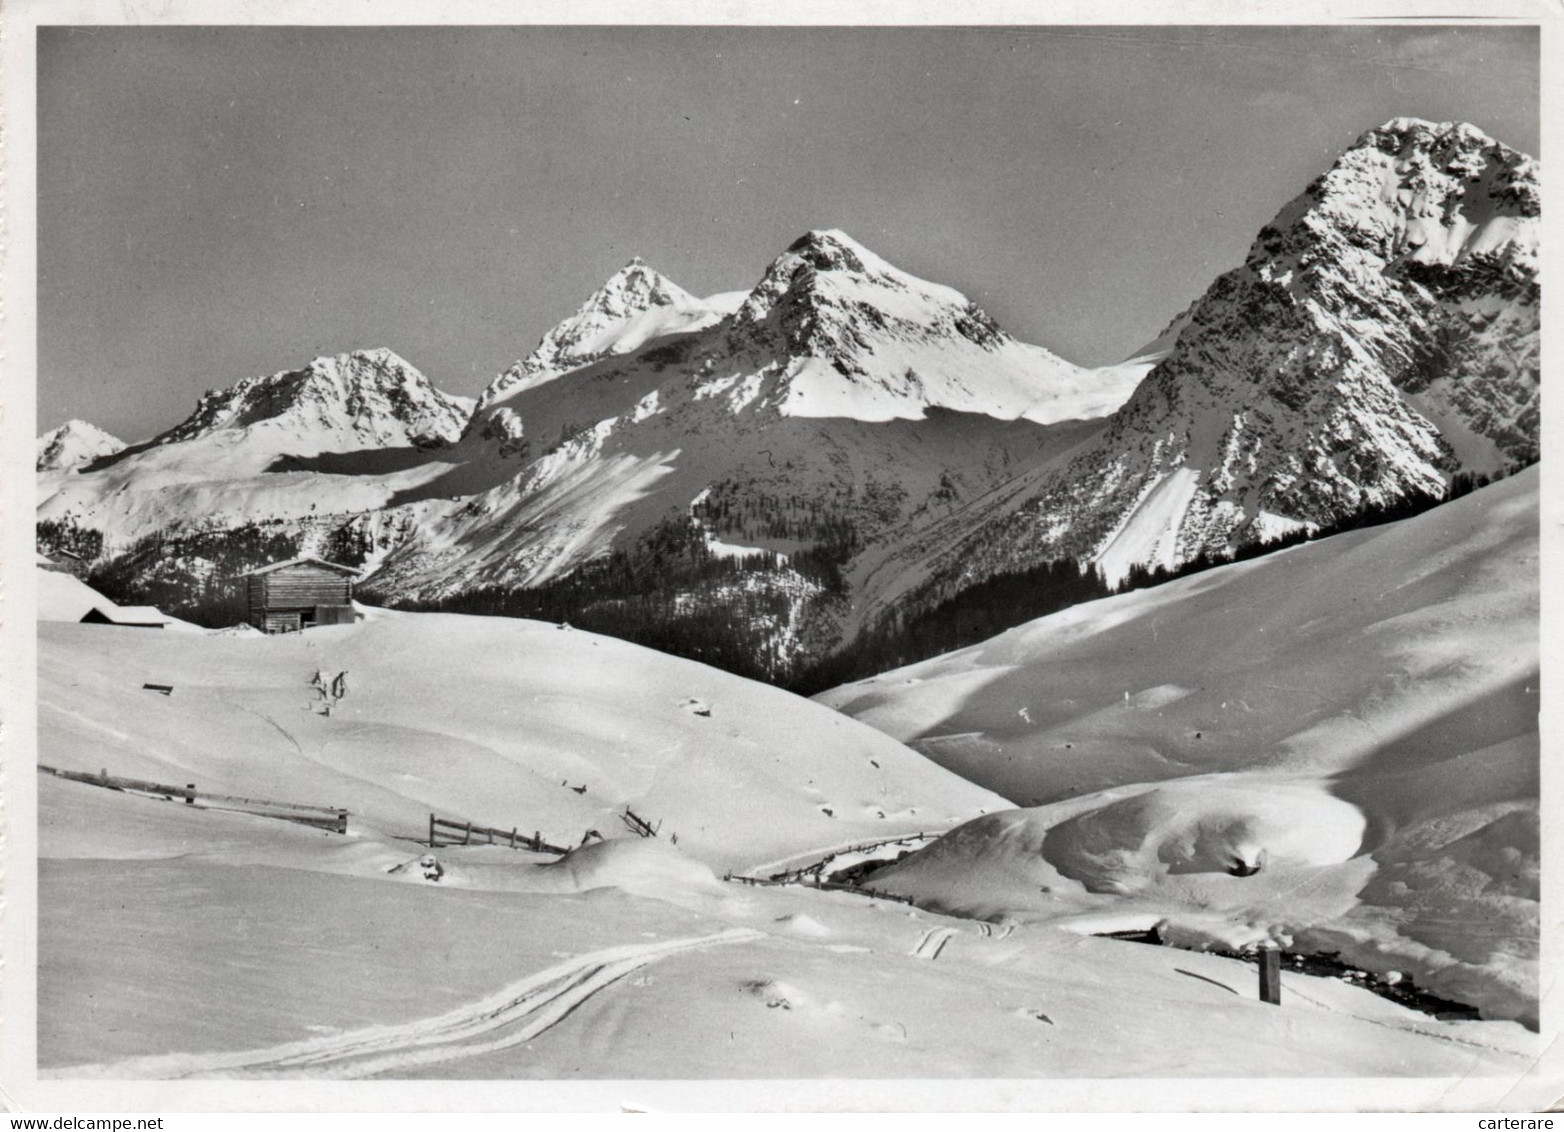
(73, 444)
(306, 954)
(492, 720)
(303, 955)
(1381, 336)
(1362, 710)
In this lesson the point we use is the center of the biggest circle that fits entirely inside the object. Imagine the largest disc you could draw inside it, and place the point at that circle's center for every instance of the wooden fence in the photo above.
(803, 873)
(813, 875)
(817, 882)
(330, 818)
(640, 826)
(446, 831)
(463, 833)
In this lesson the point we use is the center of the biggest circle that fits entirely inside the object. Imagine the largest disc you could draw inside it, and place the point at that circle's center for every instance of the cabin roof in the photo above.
(306, 561)
(131, 614)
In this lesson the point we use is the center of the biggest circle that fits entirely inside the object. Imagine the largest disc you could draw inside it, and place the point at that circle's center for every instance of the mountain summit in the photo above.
(1381, 335)
(73, 444)
(853, 336)
(362, 399)
(635, 305)
(256, 452)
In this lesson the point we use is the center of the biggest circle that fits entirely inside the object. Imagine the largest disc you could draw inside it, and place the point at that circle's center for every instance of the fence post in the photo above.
(537, 841)
(467, 837)
(431, 831)
(342, 821)
(1271, 975)
(513, 837)
(190, 793)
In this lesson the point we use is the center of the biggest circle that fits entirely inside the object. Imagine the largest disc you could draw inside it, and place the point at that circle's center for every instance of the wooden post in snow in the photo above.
(431, 831)
(1271, 975)
(190, 793)
(467, 837)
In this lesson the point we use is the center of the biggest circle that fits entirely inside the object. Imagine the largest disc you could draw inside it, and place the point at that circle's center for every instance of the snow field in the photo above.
(181, 941)
(424, 729)
(198, 964)
(1363, 709)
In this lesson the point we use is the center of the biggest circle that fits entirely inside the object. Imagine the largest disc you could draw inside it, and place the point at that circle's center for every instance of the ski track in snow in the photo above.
(933, 942)
(517, 1014)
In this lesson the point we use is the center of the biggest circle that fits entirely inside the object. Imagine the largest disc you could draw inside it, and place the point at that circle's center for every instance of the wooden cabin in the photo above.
(131, 616)
(287, 597)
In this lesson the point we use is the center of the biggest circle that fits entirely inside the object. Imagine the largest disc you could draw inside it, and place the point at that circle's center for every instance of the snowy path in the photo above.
(514, 1015)
(933, 942)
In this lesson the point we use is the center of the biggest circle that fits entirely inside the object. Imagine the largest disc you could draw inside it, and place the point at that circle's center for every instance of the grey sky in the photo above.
(216, 203)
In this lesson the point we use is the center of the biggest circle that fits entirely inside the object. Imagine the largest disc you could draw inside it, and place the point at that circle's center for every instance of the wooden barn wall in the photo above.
(302, 587)
(257, 595)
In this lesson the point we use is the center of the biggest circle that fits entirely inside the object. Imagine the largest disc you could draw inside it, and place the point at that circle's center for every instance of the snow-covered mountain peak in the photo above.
(365, 398)
(1425, 135)
(832, 248)
(1413, 192)
(72, 444)
(854, 336)
(825, 279)
(1381, 336)
(635, 287)
(635, 305)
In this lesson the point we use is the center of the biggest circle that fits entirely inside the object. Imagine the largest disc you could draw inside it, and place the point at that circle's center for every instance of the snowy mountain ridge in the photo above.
(770, 431)
(297, 446)
(846, 441)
